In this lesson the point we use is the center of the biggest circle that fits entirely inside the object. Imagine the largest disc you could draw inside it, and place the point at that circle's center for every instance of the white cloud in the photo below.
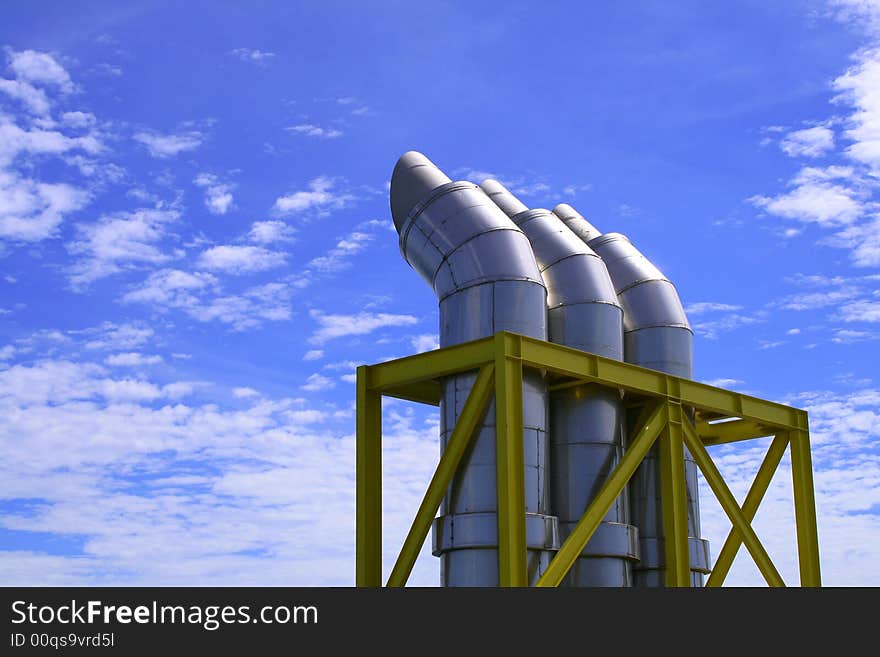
(7, 352)
(14, 141)
(132, 359)
(171, 287)
(267, 232)
(309, 416)
(311, 130)
(244, 393)
(848, 336)
(425, 342)
(724, 383)
(31, 210)
(810, 142)
(313, 354)
(164, 146)
(712, 328)
(252, 55)
(794, 331)
(709, 307)
(814, 199)
(118, 241)
(338, 257)
(863, 241)
(317, 383)
(218, 195)
(78, 119)
(860, 88)
(117, 337)
(35, 100)
(338, 326)
(39, 68)
(240, 259)
(861, 311)
(319, 198)
(248, 310)
(198, 294)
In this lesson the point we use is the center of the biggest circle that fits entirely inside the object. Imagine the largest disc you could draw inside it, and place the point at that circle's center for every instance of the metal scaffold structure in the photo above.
(721, 416)
(571, 431)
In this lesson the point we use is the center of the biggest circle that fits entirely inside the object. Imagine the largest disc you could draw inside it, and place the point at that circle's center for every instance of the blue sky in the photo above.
(197, 251)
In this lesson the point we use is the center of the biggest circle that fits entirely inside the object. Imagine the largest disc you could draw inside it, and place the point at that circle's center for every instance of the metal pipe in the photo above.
(486, 279)
(656, 335)
(586, 421)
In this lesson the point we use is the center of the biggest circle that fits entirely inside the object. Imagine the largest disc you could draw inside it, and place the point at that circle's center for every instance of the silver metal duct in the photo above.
(586, 421)
(656, 335)
(486, 279)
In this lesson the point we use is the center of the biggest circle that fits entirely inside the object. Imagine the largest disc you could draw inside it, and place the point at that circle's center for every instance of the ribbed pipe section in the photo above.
(484, 274)
(656, 335)
(585, 422)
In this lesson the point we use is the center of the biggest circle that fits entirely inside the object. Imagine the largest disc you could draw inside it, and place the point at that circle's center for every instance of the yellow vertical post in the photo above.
(510, 458)
(368, 540)
(674, 491)
(805, 506)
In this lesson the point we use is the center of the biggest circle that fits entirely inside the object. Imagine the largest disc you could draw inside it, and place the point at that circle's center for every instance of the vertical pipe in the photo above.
(585, 422)
(485, 277)
(656, 335)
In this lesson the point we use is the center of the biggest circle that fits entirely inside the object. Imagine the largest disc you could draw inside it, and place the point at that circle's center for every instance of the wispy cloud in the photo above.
(312, 130)
(119, 241)
(809, 142)
(814, 197)
(317, 383)
(333, 326)
(319, 198)
(338, 258)
(132, 359)
(240, 259)
(268, 232)
(709, 307)
(218, 195)
(252, 55)
(168, 145)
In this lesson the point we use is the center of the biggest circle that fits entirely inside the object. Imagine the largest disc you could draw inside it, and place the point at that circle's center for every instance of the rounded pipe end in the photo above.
(413, 179)
(503, 198)
(576, 221)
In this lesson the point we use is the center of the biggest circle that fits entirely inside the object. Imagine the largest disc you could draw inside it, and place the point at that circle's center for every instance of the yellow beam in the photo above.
(510, 466)
(731, 507)
(719, 433)
(368, 466)
(465, 427)
(432, 364)
(578, 364)
(805, 507)
(749, 509)
(672, 479)
(613, 486)
(423, 392)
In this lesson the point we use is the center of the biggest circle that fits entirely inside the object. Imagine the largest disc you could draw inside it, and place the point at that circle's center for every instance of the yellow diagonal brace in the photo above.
(672, 480)
(805, 508)
(613, 486)
(510, 465)
(465, 426)
(368, 540)
(749, 509)
(731, 507)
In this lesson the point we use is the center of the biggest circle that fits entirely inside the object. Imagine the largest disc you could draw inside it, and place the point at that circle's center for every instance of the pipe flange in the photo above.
(480, 530)
(654, 554)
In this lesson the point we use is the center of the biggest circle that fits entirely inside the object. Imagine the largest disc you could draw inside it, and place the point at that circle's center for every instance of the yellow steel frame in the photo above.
(722, 416)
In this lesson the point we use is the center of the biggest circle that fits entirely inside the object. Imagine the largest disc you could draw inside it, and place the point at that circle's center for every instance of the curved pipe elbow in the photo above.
(649, 299)
(452, 234)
